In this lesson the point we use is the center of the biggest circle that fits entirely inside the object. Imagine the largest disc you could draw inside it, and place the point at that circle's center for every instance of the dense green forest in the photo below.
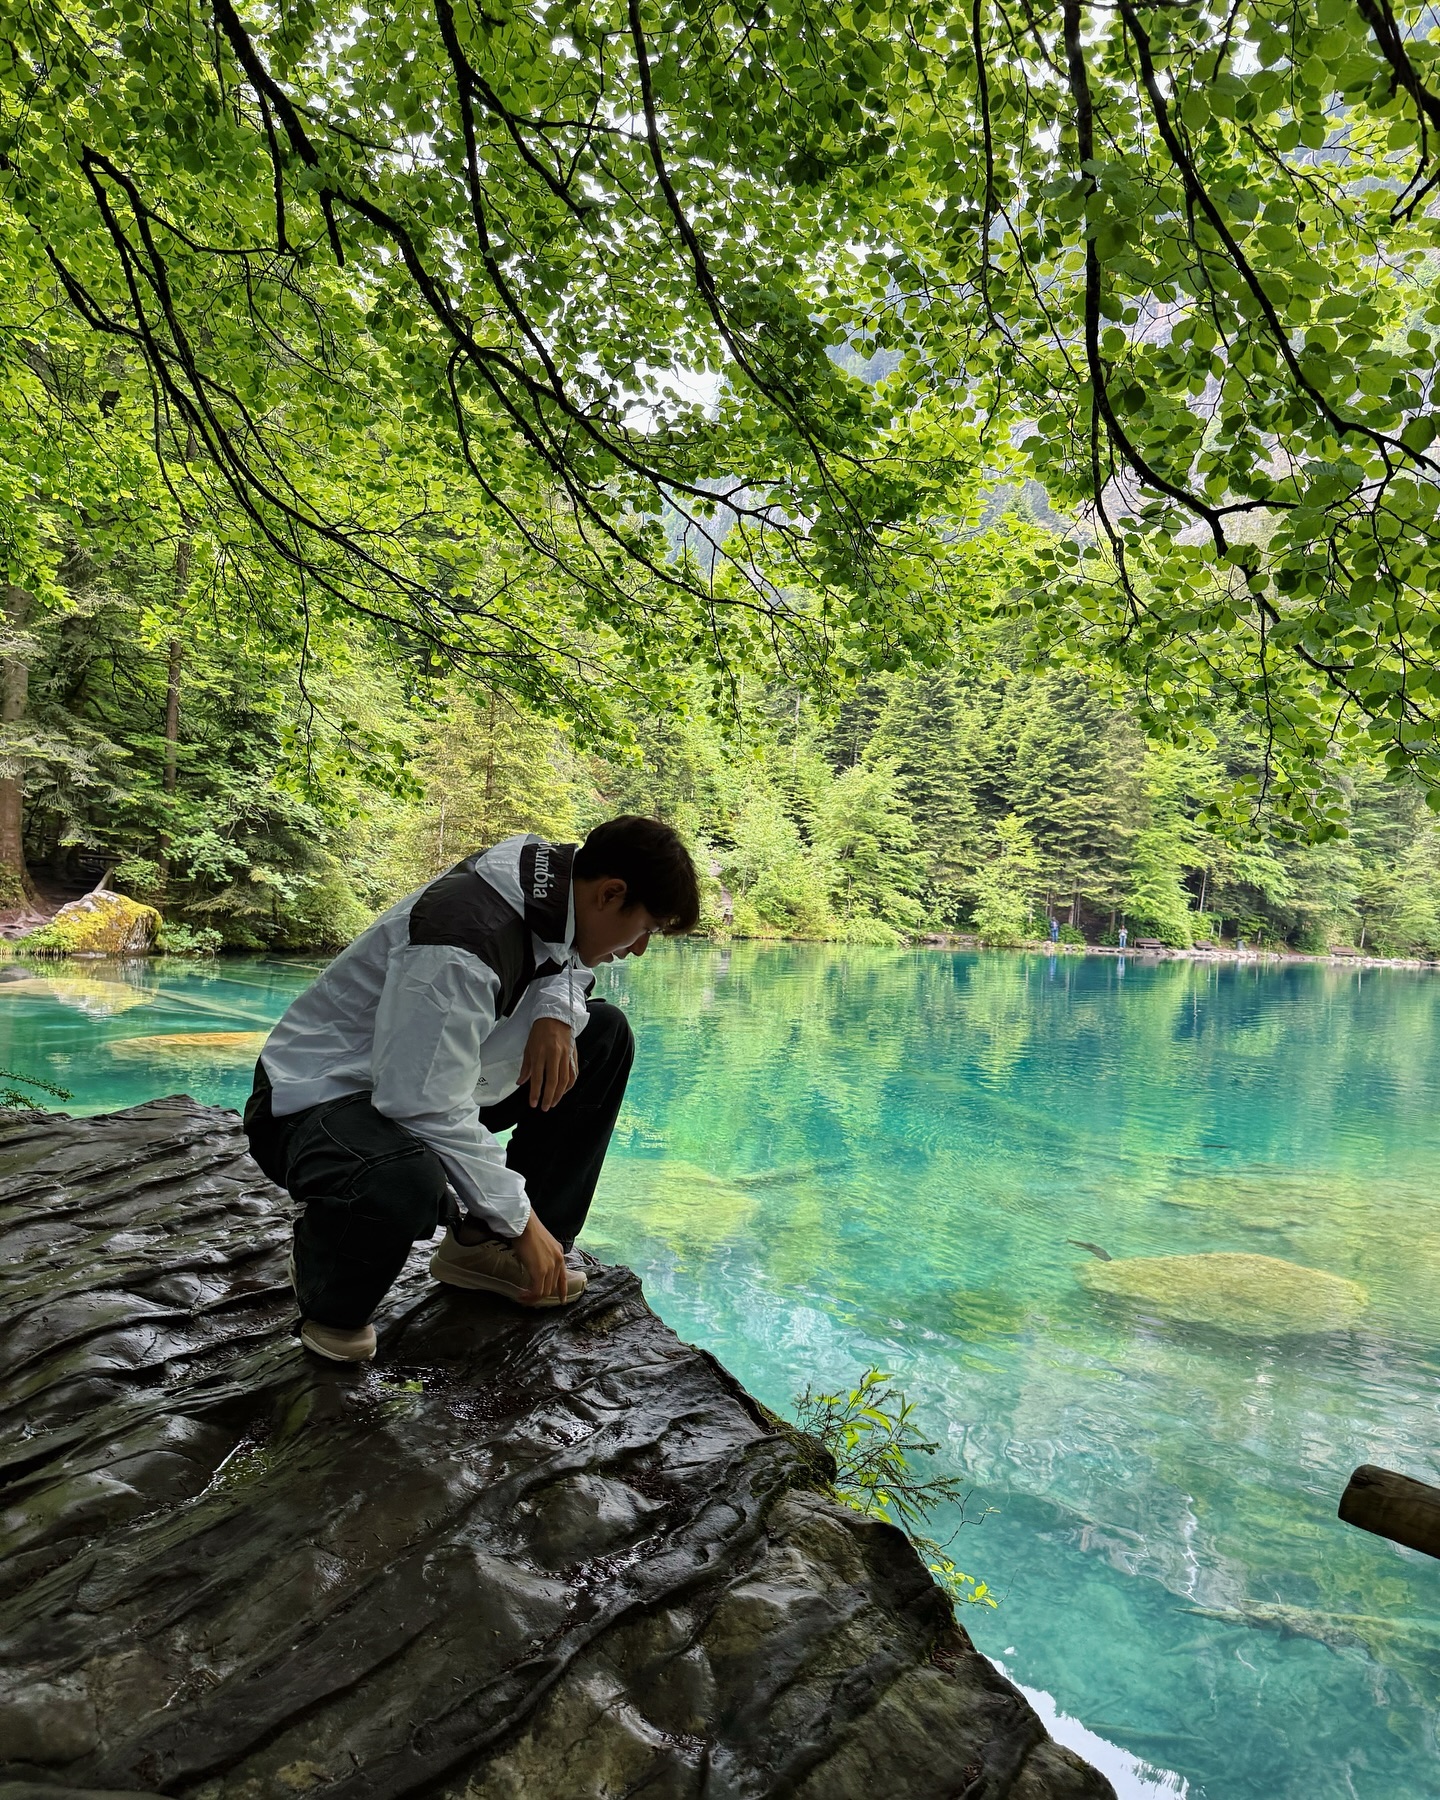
(166, 747)
(426, 420)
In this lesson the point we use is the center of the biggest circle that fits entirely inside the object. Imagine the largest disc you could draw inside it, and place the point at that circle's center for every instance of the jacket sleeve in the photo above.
(563, 996)
(436, 1010)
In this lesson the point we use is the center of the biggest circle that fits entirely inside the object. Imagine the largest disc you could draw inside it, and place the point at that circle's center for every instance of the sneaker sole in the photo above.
(333, 1356)
(487, 1284)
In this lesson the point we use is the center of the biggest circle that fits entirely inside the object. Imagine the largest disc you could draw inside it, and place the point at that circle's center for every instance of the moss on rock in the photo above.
(1251, 1296)
(99, 924)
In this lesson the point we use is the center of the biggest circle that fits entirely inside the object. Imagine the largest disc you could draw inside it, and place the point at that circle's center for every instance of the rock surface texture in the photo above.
(542, 1556)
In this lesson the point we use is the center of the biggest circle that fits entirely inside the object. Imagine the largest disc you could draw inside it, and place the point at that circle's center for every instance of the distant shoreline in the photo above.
(1174, 953)
(13, 954)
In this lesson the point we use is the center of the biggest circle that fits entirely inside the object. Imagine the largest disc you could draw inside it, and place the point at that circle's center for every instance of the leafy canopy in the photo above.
(513, 323)
(1185, 254)
(434, 304)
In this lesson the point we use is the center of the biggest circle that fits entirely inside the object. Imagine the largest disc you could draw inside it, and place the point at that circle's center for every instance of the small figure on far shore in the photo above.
(1054, 930)
(1124, 937)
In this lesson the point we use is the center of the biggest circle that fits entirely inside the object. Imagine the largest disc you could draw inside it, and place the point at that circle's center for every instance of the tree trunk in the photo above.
(1393, 1506)
(172, 695)
(172, 716)
(15, 889)
(492, 720)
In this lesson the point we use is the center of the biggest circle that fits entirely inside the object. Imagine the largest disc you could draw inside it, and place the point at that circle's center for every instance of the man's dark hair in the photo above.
(654, 864)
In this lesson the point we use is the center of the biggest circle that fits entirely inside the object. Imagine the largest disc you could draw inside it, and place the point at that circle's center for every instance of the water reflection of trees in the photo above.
(929, 1129)
(1179, 1106)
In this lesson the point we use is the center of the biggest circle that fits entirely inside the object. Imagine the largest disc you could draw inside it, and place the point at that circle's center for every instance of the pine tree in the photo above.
(869, 835)
(487, 770)
(1397, 846)
(1005, 885)
(1069, 765)
(780, 882)
(928, 728)
(1156, 897)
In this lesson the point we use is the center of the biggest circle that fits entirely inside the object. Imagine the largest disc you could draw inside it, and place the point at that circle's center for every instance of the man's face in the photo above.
(605, 928)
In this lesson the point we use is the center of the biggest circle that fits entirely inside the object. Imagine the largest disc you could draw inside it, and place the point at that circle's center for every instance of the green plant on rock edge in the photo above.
(872, 1435)
(16, 1099)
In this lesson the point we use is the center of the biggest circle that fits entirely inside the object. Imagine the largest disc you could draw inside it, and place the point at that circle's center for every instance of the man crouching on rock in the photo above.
(460, 1012)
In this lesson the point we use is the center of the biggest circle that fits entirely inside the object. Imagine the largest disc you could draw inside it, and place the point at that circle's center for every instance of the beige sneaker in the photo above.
(336, 1345)
(495, 1268)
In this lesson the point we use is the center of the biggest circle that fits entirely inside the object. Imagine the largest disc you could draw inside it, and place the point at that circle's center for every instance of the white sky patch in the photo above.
(1132, 1778)
(692, 388)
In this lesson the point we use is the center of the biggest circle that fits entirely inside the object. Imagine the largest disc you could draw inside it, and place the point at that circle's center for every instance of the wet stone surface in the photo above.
(548, 1556)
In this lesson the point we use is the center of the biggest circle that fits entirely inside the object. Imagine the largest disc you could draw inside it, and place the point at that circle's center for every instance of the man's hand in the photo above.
(549, 1064)
(544, 1260)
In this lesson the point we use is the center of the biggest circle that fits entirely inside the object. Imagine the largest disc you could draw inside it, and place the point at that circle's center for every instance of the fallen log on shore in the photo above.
(555, 1555)
(1393, 1506)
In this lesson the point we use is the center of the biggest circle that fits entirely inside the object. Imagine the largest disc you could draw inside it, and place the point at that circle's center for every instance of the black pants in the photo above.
(370, 1188)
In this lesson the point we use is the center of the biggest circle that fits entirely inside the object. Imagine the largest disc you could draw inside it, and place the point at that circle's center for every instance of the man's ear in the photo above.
(612, 892)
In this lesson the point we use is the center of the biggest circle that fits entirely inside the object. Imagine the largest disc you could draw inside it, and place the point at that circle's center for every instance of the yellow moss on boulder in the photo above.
(98, 924)
(1252, 1296)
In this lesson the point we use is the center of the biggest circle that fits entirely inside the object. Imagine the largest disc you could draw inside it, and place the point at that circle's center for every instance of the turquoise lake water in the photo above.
(832, 1159)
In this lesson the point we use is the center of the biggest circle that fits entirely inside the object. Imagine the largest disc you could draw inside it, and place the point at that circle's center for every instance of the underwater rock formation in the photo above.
(199, 1048)
(98, 924)
(97, 996)
(551, 1555)
(1251, 1296)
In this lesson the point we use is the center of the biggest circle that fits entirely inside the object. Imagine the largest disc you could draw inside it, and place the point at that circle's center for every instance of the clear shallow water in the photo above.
(835, 1158)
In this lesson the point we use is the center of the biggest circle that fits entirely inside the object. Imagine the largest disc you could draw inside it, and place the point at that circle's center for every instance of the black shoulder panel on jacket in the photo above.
(545, 873)
(461, 908)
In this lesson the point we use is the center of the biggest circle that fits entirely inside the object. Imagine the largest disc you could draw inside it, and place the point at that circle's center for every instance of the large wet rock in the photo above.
(98, 924)
(547, 1556)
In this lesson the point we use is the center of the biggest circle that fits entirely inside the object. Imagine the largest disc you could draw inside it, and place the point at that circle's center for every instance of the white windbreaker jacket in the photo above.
(429, 1010)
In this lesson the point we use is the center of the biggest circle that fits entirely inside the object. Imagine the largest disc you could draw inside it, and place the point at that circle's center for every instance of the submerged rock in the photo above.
(191, 1046)
(1253, 1296)
(685, 1206)
(98, 924)
(545, 1556)
(89, 994)
(975, 1313)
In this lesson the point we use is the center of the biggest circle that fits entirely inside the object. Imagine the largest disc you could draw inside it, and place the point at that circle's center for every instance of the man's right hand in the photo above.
(544, 1260)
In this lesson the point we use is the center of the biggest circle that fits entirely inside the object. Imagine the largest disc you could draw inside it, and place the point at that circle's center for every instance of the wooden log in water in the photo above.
(1393, 1506)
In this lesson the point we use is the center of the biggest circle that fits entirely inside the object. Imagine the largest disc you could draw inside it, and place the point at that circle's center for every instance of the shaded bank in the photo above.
(520, 1555)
